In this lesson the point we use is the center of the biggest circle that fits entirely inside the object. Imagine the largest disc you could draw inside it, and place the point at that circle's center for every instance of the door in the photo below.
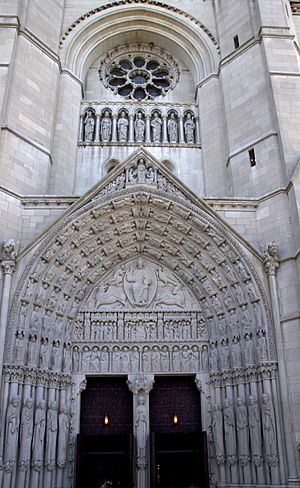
(104, 460)
(178, 446)
(104, 445)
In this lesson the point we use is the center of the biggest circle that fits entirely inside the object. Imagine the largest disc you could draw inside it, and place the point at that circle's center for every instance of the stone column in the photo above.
(197, 131)
(271, 264)
(148, 129)
(181, 130)
(164, 129)
(114, 128)
(97, 129)
(81, 129)
(140, 385)
(131, 128)
(8, 262)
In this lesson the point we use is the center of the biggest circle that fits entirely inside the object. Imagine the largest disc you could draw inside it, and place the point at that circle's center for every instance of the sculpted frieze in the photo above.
(141, 284)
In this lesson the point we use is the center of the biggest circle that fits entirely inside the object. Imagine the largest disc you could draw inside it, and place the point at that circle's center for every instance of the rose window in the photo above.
(140, 75)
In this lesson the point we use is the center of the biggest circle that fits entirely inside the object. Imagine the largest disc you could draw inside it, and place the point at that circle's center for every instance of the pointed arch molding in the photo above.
(140, 211)
(91, 35)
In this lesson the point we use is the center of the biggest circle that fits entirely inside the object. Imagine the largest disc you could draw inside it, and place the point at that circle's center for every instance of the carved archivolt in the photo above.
(141, 279)
(139, 243)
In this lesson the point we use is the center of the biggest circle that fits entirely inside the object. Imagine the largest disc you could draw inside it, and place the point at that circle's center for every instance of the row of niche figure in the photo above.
(131, 360)
(139, 128)
(225, 354)
(40, 432)
(46, 354)
(233, 428)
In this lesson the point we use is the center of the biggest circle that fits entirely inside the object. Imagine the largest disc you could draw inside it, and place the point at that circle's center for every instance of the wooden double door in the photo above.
(105, 451)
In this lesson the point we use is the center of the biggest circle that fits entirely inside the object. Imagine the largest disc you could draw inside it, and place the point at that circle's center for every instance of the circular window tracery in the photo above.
(142, 74)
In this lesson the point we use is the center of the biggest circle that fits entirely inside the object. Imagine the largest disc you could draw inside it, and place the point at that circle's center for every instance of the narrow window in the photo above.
(252, 157)
(236, 42)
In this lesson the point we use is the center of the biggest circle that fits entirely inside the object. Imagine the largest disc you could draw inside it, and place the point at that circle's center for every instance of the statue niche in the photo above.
(141, 284)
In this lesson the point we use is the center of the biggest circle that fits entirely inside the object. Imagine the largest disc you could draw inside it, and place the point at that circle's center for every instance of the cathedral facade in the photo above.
(149, 197)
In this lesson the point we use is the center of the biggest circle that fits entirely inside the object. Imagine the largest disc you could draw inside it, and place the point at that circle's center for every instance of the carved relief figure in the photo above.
(140, 283)
(242, 431)
(19, 347)
(172, 128)
(106, 127)
(112, 291)
(141, 430)
(12, 430)
(38, 435)
(262, 352)
(51, 437)
(229, 430)
(269, 432)
(156, 124)
(189, 127)
(213, 357)
(63, 431)
(89, 126)
(122, 127)
(26, 430)
(255, 430)
(217, 427)
(45, 353)
(249, 350)
(139, 127)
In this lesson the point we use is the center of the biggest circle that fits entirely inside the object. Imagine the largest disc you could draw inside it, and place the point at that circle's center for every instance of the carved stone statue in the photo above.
(89, 126)
(156, 124)
(255, 431)
(172, 128)
(248, 350)
(32, 350)
(38, 435)
(269, 430)
(122, 127)
(230, 433)
(271, 260)
(213, 357)
(51, 437)
(26, 430)
(242, 431)
(45, 353)
(189, 127)
(19, 347)
(204, 358)
(63, 431)
(262, 351)
(236, 353)
(217, 426)
(140, 283)
(11, 436)
(224, 355)
(106, 127)
(141, 431)
(139, 127)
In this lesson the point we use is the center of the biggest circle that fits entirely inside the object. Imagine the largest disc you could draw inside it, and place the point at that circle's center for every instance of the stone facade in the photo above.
(149, 226)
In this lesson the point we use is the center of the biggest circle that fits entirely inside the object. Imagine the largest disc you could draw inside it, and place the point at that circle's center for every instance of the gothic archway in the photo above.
(142, 270)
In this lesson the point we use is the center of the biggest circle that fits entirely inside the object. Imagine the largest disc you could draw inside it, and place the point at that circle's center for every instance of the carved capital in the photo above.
(271, 258)
(8, 267)
(140, 383)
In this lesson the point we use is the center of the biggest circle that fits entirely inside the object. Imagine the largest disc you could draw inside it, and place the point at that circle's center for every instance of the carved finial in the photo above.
(271, 258)
(8, 256)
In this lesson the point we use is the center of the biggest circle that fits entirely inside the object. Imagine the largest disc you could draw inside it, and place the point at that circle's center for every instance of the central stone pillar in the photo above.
(140, 385)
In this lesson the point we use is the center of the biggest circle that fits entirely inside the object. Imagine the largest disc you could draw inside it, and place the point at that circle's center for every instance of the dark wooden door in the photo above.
(104, 450)
(104, 460)
(178, 450)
